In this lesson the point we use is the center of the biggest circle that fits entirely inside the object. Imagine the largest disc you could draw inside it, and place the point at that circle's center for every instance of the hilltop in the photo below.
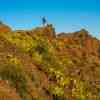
(39, 64)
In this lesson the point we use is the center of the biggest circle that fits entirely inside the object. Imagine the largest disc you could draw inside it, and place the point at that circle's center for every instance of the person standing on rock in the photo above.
(44, 21)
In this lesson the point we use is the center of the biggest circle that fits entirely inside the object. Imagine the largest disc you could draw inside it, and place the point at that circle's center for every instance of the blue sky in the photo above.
(65, 15)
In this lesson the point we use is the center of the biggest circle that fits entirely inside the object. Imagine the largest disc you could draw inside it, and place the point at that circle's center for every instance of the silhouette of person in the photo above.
(44, 21)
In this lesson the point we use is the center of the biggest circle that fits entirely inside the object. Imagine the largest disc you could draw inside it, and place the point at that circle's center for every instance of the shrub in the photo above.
(11, 59)
(15, 77)
(22, 41)
(56, 90)
(79, 91)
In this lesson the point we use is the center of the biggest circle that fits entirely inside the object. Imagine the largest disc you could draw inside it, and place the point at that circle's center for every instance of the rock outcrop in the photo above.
(4, 28)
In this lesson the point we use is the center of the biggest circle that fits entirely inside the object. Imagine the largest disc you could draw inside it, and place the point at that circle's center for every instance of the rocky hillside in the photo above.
(39, 64)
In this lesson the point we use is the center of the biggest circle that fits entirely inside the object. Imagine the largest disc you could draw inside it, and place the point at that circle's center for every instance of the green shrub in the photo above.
(79, 91)
(11, 59)
(56, 90)
(22, 41)
(56, 97)
(16, 78)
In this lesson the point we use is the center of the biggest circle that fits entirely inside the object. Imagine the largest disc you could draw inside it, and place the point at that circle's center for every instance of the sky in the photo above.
(65, 15)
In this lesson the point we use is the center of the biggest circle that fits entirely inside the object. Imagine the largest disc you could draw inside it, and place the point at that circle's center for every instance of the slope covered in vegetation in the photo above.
(37, 64)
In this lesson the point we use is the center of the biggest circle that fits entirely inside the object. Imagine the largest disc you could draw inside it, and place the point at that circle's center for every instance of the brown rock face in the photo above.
(4, 28)
(48, 31)
(79, 41)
